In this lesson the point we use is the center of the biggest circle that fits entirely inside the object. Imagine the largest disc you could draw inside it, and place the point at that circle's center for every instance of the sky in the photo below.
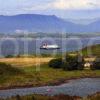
(73, 9)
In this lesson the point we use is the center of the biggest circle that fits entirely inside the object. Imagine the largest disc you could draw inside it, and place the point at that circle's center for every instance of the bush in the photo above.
(66, 66)
(8, 69)
(56, 63)
(80, 65)
(72, 63)
(96, 65)
(18, 97)
(9, 56)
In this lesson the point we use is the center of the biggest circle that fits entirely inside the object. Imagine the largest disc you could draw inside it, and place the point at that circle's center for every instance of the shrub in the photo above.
(56, 63)
(72, 63)
(18, 56)
(8, 69)
(96, 65)
(66, 66)
(80, 65)
(9, 56)
(18, 97)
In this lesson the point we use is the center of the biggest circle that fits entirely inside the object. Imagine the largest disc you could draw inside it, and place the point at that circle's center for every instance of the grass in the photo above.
(57, 97)
(41, 97)
(94, 50)
(22, 76)
(12, 76)
(7, 71)
(25, 61)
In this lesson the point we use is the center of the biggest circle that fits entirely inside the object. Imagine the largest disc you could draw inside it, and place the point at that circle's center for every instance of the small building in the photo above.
(87, 65)
(88, 62)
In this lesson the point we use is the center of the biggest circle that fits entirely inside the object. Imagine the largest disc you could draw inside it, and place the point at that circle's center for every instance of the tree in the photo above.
(73, 63)
(56, 63)
(96, 64)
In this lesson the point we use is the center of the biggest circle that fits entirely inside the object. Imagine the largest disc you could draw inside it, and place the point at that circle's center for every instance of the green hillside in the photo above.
(94, 50)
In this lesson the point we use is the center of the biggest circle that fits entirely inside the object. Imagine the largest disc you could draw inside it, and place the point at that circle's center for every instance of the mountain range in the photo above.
(82, 21)
(44, 24)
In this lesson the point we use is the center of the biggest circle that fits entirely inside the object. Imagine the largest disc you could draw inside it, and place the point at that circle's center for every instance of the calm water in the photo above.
(10, 46)
(79, 87)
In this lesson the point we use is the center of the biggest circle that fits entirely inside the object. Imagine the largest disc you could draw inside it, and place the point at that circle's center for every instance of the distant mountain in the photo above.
(93, 27)
(34, 23)
(44, 24)
(82, 21)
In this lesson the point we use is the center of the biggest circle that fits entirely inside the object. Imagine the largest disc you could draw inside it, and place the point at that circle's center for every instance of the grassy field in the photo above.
(26, 72)
(13, 76)
(25, 61)
(58, 97)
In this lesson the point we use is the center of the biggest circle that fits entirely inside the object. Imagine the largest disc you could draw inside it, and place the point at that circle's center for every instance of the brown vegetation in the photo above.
(25, 62)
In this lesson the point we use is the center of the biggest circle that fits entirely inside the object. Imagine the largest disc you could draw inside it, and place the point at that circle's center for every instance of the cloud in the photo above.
(75, 4)
(64, 5)
(50, 7)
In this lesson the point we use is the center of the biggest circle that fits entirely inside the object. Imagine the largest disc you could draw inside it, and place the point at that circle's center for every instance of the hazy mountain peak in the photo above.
(44, 24)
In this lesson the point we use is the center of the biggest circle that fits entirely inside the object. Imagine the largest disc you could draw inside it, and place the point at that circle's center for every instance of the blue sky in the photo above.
(63, 8)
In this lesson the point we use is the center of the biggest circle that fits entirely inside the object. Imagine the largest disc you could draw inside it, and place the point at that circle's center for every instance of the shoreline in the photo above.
(52, 83)
(59, 97)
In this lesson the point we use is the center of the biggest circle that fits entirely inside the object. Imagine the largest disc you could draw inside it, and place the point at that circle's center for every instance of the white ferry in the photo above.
(47, 46)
